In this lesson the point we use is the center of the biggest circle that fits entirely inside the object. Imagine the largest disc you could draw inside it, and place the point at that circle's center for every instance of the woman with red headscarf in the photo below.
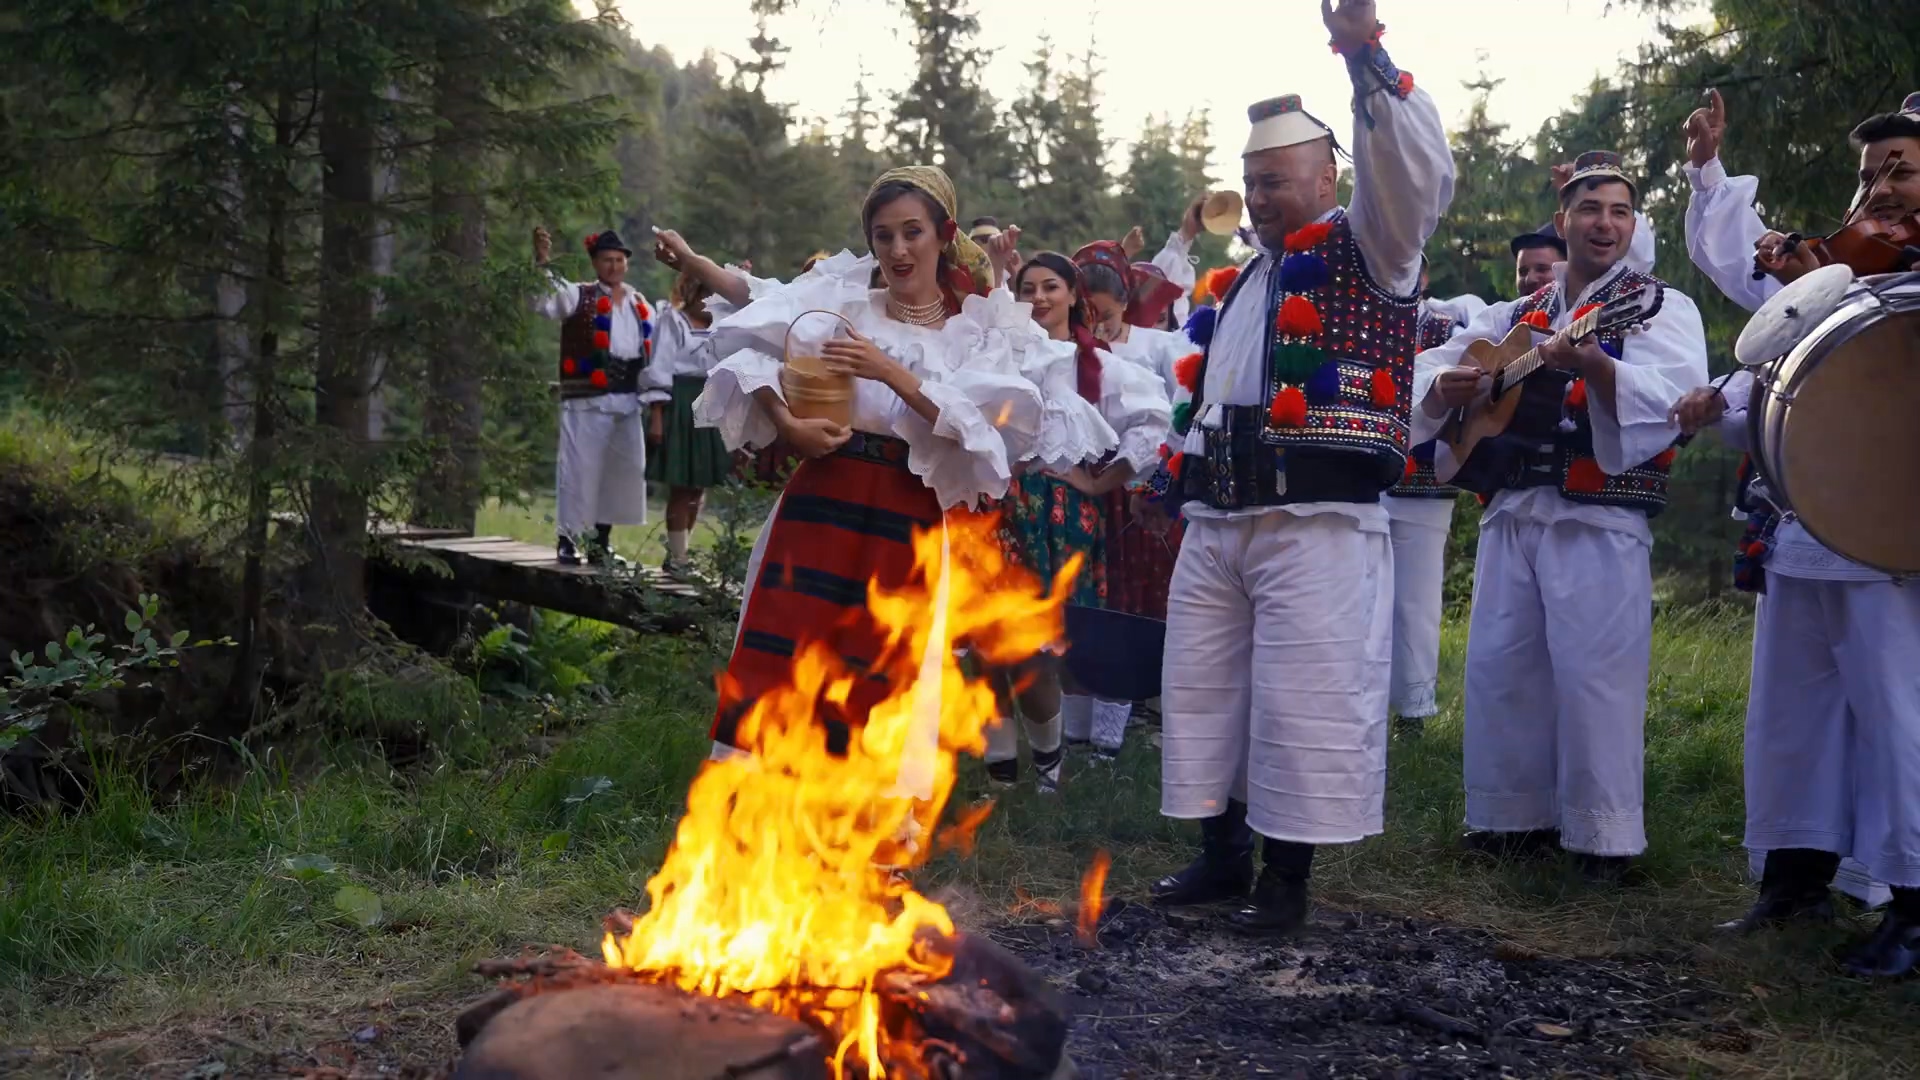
(1057, 510)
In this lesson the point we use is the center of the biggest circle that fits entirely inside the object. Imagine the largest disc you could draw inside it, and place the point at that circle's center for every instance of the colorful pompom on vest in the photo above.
(588, 367)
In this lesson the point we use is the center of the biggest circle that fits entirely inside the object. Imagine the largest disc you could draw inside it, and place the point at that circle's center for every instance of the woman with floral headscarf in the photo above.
(941, 413)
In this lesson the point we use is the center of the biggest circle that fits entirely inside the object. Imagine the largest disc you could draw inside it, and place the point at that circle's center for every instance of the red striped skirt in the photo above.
(1139, 561)
(844, 520)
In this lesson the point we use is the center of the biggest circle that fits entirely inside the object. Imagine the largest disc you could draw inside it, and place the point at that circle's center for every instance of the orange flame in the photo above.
(780, 885)
(1093, 888)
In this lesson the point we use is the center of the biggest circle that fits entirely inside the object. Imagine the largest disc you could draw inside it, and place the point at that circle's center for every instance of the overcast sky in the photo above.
(1216, 55)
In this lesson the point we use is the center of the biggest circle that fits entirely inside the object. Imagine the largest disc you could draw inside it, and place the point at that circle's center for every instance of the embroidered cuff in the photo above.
(1373, 71)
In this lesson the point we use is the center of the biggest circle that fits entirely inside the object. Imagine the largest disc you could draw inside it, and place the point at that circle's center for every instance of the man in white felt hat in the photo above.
(1833, 722)
(1278, 639)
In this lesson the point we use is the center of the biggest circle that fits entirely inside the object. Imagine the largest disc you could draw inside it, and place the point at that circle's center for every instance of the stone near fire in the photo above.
(634, 1031)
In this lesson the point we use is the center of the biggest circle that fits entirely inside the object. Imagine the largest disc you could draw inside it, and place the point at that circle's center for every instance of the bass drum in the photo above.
(1836, 426)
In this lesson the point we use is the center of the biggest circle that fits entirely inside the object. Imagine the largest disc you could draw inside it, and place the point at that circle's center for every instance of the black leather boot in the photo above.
(1280, 904)
(1894, 948)
(1531, 844)
(1794, 887)
(565, 553)
(600, 548)
(1224, 870)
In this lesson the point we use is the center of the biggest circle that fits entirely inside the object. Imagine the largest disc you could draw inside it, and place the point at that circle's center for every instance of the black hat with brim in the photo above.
(1545, 236)
(607, 241)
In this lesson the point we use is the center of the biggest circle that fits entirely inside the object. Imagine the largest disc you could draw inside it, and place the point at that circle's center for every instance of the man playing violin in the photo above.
(1833, 716)
(1560, 644)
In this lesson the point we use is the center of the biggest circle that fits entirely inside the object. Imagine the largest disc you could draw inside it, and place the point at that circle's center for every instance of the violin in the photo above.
(1866, 244)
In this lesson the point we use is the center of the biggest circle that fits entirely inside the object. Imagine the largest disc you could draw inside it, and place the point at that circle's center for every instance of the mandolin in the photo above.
(1523, 411)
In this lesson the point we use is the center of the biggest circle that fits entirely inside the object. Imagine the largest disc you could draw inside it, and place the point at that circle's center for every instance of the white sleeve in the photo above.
(1402, 180)
(1641, 252)
(1491, 324)
(727, 402)
(1133, 402)
(1722, 228)
(1732, 427)
(559, 300)
(1655, 369)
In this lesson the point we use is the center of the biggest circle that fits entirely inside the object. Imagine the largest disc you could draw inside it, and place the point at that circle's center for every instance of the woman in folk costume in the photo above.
(690, 459)
(1279, 621)
(606, 338)
(1106, 421)
(940, 412)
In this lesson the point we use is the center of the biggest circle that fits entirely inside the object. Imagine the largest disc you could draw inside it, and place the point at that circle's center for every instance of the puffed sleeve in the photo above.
(1133, 402)
(1176, 261)
(1655, 368)
(558, 300)
(719, 307)
(751, 345)
(1722, 229)
(671, 342)
(1732, 427)
(1429, 416)
(1072, 429)
(1402, 170)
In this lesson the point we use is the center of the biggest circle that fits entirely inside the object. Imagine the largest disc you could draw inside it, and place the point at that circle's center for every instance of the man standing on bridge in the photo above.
(606, 338)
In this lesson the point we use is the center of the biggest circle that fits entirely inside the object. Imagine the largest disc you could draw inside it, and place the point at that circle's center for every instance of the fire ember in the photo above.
(783, 936)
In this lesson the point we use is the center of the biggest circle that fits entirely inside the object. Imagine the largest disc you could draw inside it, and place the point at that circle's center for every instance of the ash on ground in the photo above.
(1179, 994)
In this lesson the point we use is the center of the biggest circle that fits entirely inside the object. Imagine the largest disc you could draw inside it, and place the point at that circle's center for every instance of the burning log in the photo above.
(989, 1017)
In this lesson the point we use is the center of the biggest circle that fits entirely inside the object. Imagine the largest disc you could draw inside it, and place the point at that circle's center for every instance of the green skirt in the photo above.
(688, 456)
(1044, 522)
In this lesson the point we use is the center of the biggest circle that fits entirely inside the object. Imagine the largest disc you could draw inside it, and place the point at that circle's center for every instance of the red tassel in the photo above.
(1289, 408)
(568, 367)
(1412, 467)
(1299, 318)
(598, 379)
(1186, 372)
(1309, 237)
(1405, 84)
(1756, 549)
(1538, 320)
(1577, 395)
(601, 340)
(1219, 282)
(603, 305)
(1166, 452)
(1383, 390)
(1584, 476)
(1175, 466)
(1665, 458)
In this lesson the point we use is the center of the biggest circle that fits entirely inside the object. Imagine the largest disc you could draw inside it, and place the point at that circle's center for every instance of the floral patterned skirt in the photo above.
(1044, 522)
(1139, 561)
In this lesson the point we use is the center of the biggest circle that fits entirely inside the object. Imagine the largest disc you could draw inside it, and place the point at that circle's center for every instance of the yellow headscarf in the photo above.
(962, 253)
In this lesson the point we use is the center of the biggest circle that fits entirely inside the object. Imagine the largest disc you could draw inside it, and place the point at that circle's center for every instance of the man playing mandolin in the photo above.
(1559, 647)
(1833, 720)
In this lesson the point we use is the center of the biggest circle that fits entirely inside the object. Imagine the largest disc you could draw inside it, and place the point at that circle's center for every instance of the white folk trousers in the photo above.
(1420, 529)
(1279, 647)
(1557, 658)
(602, 463)
(1833, 723)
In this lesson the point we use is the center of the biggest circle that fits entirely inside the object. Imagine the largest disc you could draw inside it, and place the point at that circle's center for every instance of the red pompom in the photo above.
(601, 340)
(1382, 389)
(568, 367)
(1665, 458)
(1298, 318)
(1166, 452)
(1289, 408)
(641, 309)
(1577, 395)
(598, 379)
(1405, 85)
(1309, 237)
(1219, 282)
(603, 305)
(1538, 320)
(1756, 549)
(1175, 465)
(1584, 476)
(1186, 372)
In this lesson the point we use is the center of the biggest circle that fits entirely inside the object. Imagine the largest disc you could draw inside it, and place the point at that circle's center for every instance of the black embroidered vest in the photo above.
(1418, 482)
(1338, 374)
(1570, 463)
(588, 367)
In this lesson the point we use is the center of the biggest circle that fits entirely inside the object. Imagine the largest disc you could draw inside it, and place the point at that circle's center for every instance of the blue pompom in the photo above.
(1200, 325)
(603, 322)
(1323, 386)
(1303, 272)
(646, 330)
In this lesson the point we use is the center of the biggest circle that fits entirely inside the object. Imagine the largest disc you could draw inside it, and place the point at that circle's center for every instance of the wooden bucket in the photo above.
(813, 392)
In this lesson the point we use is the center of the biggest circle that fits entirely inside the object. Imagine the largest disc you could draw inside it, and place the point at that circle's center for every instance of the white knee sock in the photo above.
(1110, 723)
(1076, 717)
(1003, 741)
(1044, 735)
(676, 546)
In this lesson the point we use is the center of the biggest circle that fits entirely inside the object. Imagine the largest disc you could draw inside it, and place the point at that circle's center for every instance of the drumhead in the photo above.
(1849, 444)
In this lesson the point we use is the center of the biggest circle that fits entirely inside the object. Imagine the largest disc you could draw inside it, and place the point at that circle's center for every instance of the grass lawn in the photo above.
(138, 920)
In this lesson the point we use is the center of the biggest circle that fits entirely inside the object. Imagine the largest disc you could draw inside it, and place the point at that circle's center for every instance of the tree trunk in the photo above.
(334, 591)
(448, 494)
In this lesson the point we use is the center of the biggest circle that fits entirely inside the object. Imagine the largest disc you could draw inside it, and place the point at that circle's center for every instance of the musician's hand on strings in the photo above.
(1571, 357)
(1701, 407)
(1786, 260)
(1457, 387)
(1706, 129)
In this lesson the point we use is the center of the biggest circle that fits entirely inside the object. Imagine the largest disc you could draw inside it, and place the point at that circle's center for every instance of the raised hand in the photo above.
(670, 250)
(1352, 24)
(1706, 129)
(1135, 240)
(1562, 174)
(542, 245)
(1002, 253)
(1190, 225)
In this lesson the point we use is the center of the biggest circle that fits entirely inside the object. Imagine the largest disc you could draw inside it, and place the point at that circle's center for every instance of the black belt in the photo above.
(1239, 469)
(876, 449)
